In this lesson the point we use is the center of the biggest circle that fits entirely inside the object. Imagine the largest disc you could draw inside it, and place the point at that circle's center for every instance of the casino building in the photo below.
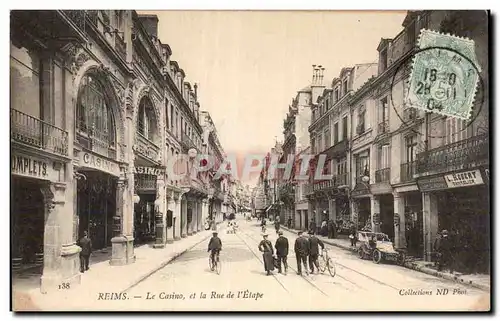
(96, 112)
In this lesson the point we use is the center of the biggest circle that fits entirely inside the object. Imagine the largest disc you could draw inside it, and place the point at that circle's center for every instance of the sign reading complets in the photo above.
(95, 162)
(29, 166)
(462, 179)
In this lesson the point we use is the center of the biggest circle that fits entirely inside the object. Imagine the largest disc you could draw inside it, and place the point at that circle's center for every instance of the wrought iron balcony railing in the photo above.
(120, 47)
(383, 127)
(77, 17)
(186, 142)
(473, 151)
(407, 171)
(383, 175)
(32, 131)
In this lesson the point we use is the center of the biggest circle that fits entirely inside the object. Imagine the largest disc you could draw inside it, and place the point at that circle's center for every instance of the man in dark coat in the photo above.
(331, 229)
(282, 251)
(301, 249)
(266, 247)
(277, 224)
(312, 225)
(314, 242)
(443, 245)
(86, 244)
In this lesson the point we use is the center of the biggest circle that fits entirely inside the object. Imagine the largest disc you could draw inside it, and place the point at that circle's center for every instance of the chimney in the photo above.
(150, 23)
(314, 74)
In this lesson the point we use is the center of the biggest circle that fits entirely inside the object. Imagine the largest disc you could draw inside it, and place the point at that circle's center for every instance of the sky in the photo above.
(250, 64)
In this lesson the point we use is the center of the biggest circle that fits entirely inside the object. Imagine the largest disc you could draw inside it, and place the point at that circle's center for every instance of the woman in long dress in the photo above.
(266, 247)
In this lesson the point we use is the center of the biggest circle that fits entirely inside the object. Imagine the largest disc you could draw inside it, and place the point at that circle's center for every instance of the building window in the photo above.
(145, 124)
(320, 144)
(360, 128)
(327, 103)
(94, 115)
(119, 19)
(176, 129)
(313, 115)
(167, 116)
(383, 60)
(335, 133)
(383, 115)
(327, 138)
(345, 86)
(384, 156)
(456, 130)
(25, 81)
(313, 145)
(337, 94)
(362, 165)
(410, 34)
(411, 148)
(344, 128)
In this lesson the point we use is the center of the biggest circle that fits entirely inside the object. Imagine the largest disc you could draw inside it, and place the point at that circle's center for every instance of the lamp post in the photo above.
(159, 225)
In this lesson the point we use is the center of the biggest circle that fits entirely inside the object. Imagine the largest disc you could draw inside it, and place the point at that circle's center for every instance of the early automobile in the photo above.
(378, 247)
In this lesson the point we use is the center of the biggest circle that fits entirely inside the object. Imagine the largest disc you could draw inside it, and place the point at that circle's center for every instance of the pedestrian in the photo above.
(314, 243)
(443, 247)
(301, 249)
(282, 251)
(312, 225)
(266, 247)
(277, 225)
(86, 244)
(353, 234)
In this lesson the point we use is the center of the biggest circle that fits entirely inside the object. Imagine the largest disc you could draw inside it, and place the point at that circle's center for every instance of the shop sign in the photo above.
(95, 162)
(148, 170)
(431, 184)
(462, 179)
(33, 167)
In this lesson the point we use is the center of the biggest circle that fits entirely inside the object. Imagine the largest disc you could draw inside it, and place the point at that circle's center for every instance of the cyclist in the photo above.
(214, 246)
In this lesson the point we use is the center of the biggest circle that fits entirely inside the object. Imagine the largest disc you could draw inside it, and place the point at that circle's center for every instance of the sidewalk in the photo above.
(480, 281)
(104, 278)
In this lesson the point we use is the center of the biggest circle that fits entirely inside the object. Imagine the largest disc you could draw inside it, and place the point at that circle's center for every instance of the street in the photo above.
(358, 285)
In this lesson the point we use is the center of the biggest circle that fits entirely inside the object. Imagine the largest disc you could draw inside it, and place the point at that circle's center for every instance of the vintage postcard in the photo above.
(249, 160)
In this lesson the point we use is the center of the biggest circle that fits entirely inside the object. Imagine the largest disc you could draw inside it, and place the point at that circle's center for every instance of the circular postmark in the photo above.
(440, 85)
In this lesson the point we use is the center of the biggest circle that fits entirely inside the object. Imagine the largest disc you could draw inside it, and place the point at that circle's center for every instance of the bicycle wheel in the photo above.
(210, 263)
(218, 267)
(322, 264)
(331, 267)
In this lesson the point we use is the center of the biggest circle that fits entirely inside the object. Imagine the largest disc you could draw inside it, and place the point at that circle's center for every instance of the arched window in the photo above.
(146, 119)
(94, 119)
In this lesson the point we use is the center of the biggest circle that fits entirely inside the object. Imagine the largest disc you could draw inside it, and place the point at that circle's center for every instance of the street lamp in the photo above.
(136, 198)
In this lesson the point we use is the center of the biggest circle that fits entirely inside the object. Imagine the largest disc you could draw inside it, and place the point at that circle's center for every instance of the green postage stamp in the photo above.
(444, 75)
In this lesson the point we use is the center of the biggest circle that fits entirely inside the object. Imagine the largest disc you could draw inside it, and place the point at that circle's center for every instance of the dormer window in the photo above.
(345, 86)
(383, 60)
(337, 94)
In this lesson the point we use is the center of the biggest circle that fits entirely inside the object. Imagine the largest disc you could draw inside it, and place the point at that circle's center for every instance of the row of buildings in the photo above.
(98, 107)
(396, 169)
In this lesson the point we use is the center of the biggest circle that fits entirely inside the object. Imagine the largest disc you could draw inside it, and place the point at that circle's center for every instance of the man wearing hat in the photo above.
(215, 246)
(282, 251)
(266, 247)
(301, 249)
(443, 247)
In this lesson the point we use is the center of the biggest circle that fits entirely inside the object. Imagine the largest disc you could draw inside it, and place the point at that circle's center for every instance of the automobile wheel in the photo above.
(377, 256)
(361, 253)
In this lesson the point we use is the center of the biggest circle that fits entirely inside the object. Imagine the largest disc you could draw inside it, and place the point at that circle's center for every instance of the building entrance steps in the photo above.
(103, 278)
(481, 281)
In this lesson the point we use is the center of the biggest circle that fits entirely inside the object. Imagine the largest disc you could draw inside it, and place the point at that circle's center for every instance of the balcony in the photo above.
(407, 171)
(32, 131)
(337, 150)
(383, 175)
(342, 179)
(120, 47)
(60, 26)
(383, 127)
(146, 148)
(187, 143)
(98, 143)
(466, 153)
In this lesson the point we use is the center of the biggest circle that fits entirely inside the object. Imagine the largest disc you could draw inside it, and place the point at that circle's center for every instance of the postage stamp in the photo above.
(445, 75)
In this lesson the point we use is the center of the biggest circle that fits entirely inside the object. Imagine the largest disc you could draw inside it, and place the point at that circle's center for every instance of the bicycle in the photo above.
(327, 263)
(214, 265)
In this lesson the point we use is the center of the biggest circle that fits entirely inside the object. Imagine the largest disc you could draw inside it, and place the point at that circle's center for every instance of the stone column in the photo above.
(190, 206)
(184, 216)
(375, 213)
(199, 216)
(160, 213)
(119, 242)
(170, 206)
(60, 254)
(399, 221)
(430, 216)
(177, 218)
(194, 222)
(317, 215)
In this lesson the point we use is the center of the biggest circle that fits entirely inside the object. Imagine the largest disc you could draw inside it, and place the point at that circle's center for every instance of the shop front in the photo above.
(459, 202)
(361, 207)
